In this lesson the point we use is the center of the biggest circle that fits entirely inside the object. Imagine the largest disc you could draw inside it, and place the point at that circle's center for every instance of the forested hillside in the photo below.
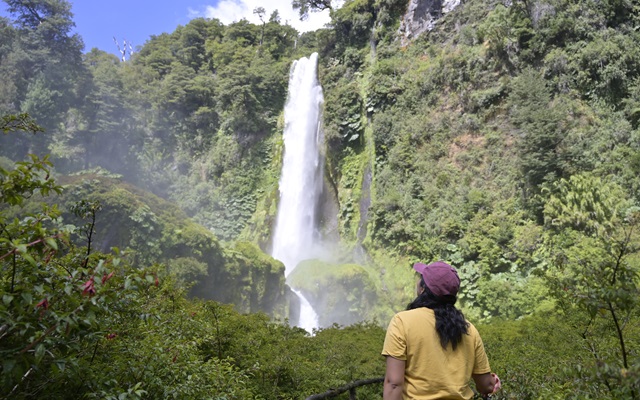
(504, 139)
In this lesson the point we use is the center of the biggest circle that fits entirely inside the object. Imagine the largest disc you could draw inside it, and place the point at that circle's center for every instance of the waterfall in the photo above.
(296, 234)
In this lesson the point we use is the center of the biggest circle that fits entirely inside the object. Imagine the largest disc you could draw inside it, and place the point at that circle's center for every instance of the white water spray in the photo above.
(295, 234)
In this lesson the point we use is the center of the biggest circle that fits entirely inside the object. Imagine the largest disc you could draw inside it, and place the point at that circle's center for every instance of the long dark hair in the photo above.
(450, 322)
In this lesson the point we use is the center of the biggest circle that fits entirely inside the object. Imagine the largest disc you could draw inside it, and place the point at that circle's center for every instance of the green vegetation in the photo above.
(189, 117)
(80, 323)
(150, 230)
(341, 293)
(506, 141)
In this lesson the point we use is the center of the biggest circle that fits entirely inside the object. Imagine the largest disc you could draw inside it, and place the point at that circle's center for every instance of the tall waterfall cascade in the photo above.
(296, 235)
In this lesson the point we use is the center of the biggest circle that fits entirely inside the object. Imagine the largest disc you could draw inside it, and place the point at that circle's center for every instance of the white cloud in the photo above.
(228, 11)
(191, 13)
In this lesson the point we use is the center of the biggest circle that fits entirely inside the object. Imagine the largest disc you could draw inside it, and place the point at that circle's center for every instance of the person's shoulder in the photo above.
(414, 313)
(471, 329)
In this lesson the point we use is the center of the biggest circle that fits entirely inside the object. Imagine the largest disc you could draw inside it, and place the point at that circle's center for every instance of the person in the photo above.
(431, 350)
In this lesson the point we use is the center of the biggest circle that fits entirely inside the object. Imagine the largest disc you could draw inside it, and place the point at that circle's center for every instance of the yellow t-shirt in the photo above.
(432, 372)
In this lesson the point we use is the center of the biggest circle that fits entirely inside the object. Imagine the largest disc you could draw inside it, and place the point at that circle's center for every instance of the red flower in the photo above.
(157, 282)
(111, 336)
(44, 303)
(106, 277)
(88, 288)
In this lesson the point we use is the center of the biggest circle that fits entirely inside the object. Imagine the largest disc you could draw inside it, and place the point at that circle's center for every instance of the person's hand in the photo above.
(497, 385)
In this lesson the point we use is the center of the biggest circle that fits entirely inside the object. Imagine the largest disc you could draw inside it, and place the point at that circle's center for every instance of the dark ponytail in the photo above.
(450, 322)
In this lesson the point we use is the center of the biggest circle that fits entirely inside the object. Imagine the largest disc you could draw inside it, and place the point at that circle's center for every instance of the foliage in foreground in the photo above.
(76, 323)
(480, 133)
(544, 357)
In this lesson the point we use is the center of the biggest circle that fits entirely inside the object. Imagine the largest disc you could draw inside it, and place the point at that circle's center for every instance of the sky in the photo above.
(98, 22)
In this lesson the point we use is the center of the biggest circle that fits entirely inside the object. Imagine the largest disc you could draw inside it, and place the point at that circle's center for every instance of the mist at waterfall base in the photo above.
(296, 236)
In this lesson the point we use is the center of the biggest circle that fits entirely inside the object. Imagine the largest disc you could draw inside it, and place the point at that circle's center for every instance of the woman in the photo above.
(432, 351)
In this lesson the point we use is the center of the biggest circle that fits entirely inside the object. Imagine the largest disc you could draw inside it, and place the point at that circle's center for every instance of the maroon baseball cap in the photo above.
(440, 277)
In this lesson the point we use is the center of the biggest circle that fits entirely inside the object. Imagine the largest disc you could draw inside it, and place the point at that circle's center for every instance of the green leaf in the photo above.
(52, 243)
(6, 299)
(7, 365)
(30, 259)
(27, 298)
(61, 364)
(39, 354)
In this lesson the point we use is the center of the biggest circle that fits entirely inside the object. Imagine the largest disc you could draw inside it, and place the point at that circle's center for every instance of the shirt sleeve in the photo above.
(481, 365)
(395, 344)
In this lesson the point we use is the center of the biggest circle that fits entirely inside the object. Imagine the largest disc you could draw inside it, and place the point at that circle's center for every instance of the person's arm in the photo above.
(485, 383)
(393, 379)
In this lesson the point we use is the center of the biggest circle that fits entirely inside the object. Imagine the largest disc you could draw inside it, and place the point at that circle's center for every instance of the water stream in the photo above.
(296, 231)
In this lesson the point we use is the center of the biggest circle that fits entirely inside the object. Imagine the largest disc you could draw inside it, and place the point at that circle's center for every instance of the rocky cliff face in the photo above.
(422, 16)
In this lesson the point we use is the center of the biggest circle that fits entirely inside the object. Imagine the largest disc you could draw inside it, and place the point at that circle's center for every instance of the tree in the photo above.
(46, 25)
(40, 297)
(108, 139)
(8, 89)
(192, 42)
(593, 246)
(306, 6)
(260, 12)
(275, 17)
(46, 60)
(539, 119)
(59, 300)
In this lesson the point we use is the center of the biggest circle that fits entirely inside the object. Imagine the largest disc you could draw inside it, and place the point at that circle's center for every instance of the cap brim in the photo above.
(420, 267)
